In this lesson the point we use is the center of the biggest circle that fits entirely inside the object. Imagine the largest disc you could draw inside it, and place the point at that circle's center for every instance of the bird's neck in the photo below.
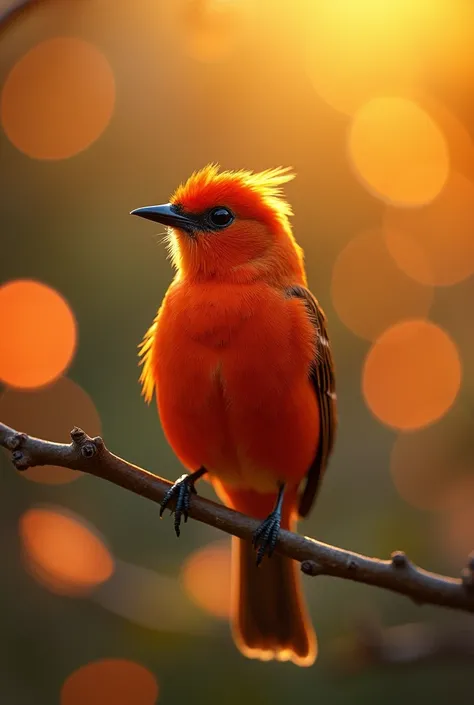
(279, 266)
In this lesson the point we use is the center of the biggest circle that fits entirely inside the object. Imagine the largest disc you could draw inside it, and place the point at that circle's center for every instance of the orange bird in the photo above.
(239, 357)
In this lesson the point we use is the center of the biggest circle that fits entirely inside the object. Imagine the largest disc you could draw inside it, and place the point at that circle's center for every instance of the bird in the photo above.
(239, 359)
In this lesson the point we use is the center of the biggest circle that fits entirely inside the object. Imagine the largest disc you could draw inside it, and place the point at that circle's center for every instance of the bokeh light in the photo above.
(411, 375)
(150, 599)
(58, 98)
(426, 464)
(456, 524)
(441, 231)
(39, 334)
(359, 49)
(210, 30)
(110, 682)
(398, 151)
(452, 55)
(50, 413)
(370, 292)
(457, 136)
(206, 578)
(62, 552)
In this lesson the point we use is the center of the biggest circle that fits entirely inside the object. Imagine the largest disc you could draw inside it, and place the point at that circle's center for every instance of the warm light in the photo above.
(110, 682)
(211, 29)
(426, 465)
(58, 98)
(398, 151)
(459, 141)
(39, 334)
(370, 292)
(443, 232)
(51, 413)
(457, 523)
(206, 578)
(150, 599)
(453, 58)
(411, 375)
(62, 552)
(358, 49)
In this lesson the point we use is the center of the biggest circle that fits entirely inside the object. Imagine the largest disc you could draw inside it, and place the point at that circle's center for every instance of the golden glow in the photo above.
(369, 291)
(211, 30)
(58, 98)
(206, 578)
(411, 375)
(111, 681)
(459, 141)
(441, 232)
(398, 151)
(427, 464)
(41, 336)
(63, 553)
(358, 49)
(50, 412)
(456, 530)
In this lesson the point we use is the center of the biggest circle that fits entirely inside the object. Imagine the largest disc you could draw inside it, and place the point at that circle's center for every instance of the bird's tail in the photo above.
(269, 615)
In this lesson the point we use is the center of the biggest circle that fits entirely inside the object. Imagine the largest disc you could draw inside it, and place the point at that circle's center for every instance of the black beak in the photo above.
(166, 214)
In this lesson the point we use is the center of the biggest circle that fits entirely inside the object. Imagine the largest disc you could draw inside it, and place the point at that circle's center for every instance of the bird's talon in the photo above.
(266, 536)
(180, 492)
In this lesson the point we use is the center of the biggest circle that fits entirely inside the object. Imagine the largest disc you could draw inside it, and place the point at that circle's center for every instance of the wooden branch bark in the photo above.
(398, 574)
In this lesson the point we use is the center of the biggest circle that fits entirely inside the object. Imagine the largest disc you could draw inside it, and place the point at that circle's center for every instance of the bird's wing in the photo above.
(323, 379)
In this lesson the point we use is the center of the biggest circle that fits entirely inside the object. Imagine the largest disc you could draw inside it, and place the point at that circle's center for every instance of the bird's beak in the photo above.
(166, 215)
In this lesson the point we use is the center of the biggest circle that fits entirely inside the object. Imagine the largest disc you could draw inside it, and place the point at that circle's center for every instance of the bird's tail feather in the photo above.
(269, 615)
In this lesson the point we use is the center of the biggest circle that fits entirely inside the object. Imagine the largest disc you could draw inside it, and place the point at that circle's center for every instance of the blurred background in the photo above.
(106, 105)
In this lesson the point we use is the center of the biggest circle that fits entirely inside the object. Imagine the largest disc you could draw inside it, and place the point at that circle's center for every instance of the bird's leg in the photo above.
(266, 536)
(181, 492)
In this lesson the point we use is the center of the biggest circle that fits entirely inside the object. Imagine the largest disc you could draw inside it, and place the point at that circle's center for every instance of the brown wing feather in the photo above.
(323, 379)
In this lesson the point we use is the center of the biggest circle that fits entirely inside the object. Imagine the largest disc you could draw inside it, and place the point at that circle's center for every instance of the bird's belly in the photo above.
(251, 420)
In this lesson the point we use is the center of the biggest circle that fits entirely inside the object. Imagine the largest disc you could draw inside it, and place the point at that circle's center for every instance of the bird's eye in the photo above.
(220, 217)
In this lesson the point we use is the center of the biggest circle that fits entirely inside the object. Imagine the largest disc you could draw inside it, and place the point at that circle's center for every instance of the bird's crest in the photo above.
(209, 187)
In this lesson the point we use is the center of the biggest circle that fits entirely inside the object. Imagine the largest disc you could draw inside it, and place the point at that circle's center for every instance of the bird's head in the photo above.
(230, 225)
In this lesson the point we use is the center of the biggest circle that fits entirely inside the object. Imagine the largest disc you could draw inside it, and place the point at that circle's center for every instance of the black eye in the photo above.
(220, 217)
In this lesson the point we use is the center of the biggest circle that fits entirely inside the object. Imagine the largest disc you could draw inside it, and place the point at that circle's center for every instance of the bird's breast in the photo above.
(231, 370)
(213, 317)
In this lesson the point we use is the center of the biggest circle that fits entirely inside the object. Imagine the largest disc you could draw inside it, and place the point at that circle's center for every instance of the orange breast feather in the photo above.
(231, 367)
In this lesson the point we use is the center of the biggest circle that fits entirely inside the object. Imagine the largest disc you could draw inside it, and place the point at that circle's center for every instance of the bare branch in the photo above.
(398, 574)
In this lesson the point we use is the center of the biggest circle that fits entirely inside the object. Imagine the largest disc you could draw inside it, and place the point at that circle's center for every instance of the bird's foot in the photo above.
(266, 536)
(181, 493)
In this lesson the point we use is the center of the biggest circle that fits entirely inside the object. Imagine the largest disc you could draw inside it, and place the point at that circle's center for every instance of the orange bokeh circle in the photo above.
(398, 151)
(412, 375)
(442, 232)
(62, 552)
(41, 337)
(370, 292)
(457, 522)
(355, 50)
(427, 464)
(58, 98)
(209, 31)
(50, 412)
(110, 682)
(206, 578)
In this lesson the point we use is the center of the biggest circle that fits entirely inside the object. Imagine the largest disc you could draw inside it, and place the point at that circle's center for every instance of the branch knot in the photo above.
(87, 446)
(399, 559)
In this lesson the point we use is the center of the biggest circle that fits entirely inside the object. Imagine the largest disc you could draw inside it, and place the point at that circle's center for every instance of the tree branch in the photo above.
(398, 574)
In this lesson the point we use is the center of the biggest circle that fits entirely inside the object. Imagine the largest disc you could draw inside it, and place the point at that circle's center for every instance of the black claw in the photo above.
(181, 493)
(266, 536)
